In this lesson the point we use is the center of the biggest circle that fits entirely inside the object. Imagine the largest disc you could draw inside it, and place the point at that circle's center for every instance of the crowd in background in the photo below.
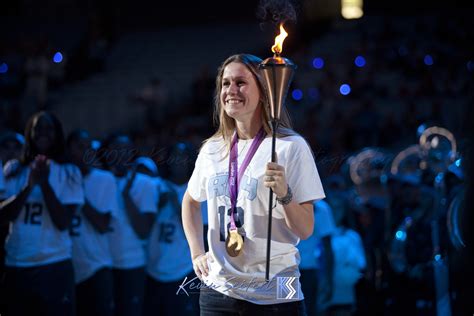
(398, 78)
(373, 252)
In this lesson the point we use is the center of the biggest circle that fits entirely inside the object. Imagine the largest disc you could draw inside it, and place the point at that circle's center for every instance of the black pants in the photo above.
(129, 288)
(161, 298)
(213, 303)
(95, 296)
(44, 290)
(309, 287)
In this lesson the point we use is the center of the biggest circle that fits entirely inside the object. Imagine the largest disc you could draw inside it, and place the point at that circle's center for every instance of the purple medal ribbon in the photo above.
(234, 174)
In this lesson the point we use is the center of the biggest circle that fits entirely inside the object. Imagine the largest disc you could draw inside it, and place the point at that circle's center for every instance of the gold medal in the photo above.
(234, 243)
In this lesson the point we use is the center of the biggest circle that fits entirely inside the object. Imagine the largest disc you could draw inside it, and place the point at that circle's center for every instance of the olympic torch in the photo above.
(277, 73)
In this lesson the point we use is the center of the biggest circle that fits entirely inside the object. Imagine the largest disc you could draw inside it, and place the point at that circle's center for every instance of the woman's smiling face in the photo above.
(240, 94)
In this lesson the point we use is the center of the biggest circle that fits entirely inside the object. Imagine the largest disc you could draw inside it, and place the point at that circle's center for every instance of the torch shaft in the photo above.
(270, 206)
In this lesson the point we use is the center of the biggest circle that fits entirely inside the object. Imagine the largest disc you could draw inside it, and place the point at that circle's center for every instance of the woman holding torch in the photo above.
(233, 174)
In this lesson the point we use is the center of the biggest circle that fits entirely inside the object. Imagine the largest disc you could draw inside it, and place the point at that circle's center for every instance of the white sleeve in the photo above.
(71, 191)
(197, 182)
(323, 220)
(145, 196)
(302, 174)
(109, 193)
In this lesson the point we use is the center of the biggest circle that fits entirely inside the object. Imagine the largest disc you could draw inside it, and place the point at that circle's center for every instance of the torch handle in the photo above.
(270, 206)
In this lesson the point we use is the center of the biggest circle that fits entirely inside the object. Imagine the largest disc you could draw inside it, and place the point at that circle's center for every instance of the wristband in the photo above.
(287, 198)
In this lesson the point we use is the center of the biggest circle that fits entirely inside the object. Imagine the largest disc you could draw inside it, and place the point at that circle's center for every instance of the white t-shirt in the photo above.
(169, 256)
(349, 260)
(90, 249)
(243, 277)
(33, 239)
(128, 250)
(323, 226)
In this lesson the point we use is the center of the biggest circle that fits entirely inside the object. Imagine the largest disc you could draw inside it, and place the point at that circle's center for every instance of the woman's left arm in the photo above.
(298, 216)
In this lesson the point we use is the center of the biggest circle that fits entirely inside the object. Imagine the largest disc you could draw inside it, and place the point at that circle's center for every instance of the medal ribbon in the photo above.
(234, 174)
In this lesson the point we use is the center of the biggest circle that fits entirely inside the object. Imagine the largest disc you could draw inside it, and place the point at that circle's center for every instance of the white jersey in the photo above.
(128, 250)
(349, 261)
(90, 249)
(169, 256)
(33, 239)
(243, 277)
(323, 226)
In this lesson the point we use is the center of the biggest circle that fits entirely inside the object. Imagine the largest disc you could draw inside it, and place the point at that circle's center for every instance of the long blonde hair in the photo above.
(226, 124)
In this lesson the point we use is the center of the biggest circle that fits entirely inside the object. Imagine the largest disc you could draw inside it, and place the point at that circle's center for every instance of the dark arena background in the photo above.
(385, 102)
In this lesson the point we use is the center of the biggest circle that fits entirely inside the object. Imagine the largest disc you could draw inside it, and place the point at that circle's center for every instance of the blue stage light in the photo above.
(421, 129)
(359, 61)
(470, 66)
(58, 57)
(318, 63)
(95, 144)
(401, 235)
(345, 89)
(297, 94)
(428, 60)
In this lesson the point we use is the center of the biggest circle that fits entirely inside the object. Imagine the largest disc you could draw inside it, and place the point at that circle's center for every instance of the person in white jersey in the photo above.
(314, 250)
(11, 145)
(91, 255)
(169, 259)
(349, 259)
(236, 187)
(131, 225)
(42, 196)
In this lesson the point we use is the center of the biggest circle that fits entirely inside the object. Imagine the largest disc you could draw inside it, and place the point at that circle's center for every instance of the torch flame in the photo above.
(278, 47)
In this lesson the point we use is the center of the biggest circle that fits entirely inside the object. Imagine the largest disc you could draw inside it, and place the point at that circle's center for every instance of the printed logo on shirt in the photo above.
(288, 288)
(218, 186)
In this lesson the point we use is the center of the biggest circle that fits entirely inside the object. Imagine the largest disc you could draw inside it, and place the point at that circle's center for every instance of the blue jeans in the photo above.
(213, 303)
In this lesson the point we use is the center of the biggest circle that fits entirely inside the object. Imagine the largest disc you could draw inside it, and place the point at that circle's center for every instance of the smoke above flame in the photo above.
(276, 12)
